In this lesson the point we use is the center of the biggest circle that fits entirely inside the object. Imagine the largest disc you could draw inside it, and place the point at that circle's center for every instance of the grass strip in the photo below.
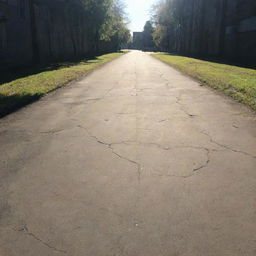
(19, 92)
(234, 81)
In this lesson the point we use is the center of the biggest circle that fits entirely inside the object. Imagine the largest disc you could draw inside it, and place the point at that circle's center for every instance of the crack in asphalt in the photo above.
(139, 167)
(110, 146)
(25, 230)
(226, 146)
(124, 113)
(167, 85)
(167, 82)
(131, 161)
(154, 160)
(208, 152)
(182, 107)
(94, 100)
(194, 171)
(177, 147)
(53, 131)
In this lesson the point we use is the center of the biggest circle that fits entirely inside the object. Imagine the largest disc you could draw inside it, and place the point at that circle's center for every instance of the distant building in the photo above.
(138, 40)
(144, 40)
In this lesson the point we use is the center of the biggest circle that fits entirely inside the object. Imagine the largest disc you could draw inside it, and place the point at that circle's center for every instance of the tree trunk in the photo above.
(35, 47)
(192, 16)
(223, 29)
(202, 39)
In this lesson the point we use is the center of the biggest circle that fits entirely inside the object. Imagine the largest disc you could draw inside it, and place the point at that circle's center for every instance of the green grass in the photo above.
(22, 91)
(237, 82)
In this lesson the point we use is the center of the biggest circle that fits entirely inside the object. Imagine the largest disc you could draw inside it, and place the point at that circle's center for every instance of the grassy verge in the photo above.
(237, 82)
(22, 91)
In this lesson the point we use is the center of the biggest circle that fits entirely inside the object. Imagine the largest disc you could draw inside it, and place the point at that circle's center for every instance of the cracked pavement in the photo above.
(135, 159)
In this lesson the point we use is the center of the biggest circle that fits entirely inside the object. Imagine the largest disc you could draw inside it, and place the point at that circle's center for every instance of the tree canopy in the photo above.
(108, 20)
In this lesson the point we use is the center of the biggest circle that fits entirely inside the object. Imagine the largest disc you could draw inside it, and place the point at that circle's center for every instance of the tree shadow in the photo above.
(14, 73)
(12, 103)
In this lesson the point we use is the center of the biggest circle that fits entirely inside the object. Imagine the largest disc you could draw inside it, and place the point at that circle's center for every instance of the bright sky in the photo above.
(138, 11)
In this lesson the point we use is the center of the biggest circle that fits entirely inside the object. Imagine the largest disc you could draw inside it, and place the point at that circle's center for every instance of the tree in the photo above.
(66, 29)
(191, 27)
(115, 28)
(35, 47)
(164, 23)
(160, 37)
(148, 42)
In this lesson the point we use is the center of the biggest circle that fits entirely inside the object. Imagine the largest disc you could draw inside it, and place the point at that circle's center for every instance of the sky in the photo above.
(138, 12)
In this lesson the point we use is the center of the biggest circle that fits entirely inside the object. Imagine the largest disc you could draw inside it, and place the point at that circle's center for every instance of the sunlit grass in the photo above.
(21, 91)
(237, 82)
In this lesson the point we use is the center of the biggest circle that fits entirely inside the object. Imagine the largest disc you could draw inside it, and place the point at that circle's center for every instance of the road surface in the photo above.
(135, 159)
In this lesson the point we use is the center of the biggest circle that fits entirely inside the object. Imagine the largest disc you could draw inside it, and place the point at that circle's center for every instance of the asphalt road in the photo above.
(135, 159)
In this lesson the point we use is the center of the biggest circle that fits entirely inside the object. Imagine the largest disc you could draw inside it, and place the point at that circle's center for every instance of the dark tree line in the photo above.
(43, 31)
(77, 27)
(204, 28)
(189, 27)
(147, 36)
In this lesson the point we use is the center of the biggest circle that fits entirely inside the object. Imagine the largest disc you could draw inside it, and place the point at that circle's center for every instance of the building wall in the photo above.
(138, 40)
